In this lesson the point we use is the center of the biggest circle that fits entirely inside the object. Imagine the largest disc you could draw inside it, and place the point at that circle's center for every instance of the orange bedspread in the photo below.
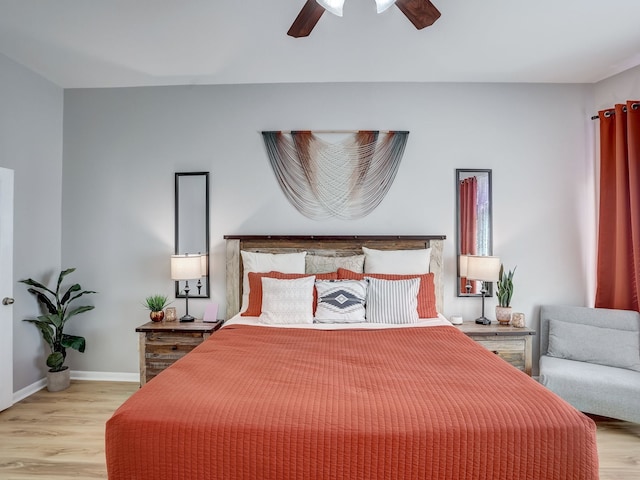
(405, 403)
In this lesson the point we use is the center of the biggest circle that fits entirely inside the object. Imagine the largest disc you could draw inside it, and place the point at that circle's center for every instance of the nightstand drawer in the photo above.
(512, 351)
(161, 340)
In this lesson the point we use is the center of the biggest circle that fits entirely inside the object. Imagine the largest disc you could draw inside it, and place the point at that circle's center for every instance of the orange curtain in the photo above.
(618, 267)
(468, 223)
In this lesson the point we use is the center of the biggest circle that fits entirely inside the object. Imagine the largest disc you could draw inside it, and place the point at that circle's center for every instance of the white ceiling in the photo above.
(111, 43)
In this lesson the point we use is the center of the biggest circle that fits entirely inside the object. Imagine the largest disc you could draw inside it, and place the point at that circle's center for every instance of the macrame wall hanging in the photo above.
(347, 179)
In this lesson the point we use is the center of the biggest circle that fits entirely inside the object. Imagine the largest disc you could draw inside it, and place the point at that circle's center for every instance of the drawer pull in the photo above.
(175, 347)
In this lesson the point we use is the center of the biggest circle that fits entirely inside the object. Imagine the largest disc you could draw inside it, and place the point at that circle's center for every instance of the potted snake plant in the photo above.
(56, 304)
(504, 294)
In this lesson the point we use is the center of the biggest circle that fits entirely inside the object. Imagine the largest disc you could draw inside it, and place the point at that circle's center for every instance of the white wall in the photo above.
(122, 147)
(617, 89)
(31, 144)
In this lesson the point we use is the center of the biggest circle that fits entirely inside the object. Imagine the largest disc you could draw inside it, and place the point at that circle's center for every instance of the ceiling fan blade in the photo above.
(306, 19)
(422, 13)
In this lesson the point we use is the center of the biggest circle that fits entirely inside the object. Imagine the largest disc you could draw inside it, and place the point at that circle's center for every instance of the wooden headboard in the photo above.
(327, 246)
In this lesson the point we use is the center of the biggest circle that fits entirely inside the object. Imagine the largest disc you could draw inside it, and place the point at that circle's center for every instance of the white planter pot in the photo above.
(503, 315)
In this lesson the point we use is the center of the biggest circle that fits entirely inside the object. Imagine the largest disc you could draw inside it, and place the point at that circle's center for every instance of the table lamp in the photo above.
(186, 267)
(462, 266)
(484, 269)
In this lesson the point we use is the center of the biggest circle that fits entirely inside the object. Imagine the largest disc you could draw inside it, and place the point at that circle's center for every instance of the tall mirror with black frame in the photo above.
(473, 216)
(192, 228)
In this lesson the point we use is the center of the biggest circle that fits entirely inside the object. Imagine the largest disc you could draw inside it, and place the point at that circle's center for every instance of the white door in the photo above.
(6, 288)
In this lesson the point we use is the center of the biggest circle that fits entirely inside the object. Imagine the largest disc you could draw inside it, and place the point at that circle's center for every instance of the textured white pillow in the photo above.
(324, 264)
(287, 301)
(392, 301)
(588, 343)
(397, 261)
(341, 301)
(268, 262)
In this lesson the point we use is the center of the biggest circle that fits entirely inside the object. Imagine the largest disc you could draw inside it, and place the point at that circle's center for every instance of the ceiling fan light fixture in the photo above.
(382, 5)
(333, 6)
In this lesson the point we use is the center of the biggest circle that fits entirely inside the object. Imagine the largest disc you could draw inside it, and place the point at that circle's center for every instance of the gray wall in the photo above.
(617, 89)
(122, 147)
(31, 144)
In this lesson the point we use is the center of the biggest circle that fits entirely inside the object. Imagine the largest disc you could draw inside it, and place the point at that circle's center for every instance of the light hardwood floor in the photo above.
(61, 436)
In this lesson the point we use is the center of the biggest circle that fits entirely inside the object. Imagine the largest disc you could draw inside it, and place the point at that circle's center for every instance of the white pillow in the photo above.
(397, 261)
(268, 262)
(392, 301)
(325, 264)
(341, 301)
(287, 301)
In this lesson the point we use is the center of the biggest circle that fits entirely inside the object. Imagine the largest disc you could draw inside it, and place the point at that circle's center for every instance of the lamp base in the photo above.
(479, 321)
(187, 318)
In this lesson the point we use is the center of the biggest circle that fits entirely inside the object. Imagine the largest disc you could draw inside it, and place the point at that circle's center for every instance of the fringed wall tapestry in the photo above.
(347, 179)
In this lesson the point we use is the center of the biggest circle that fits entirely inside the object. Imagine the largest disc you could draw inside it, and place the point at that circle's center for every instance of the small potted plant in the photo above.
(51, 326)
(156, 303)
(504, 294)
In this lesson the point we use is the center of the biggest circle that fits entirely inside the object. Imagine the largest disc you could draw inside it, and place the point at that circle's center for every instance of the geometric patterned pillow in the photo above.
(254, 307)
(392, 301)
(287, 301)
(341, 301)
(426, 292)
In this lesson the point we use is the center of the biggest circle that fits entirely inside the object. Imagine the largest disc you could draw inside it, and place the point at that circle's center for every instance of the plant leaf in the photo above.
(33, 283)
(52, 319)
(78, 310)
(72, 288)
(42, 298)
(45, 329)
(63, 274)
(82, 293)
(74, 341)
(55, 361)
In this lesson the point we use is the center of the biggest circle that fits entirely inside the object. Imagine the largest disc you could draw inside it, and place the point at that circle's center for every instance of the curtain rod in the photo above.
(608, 113)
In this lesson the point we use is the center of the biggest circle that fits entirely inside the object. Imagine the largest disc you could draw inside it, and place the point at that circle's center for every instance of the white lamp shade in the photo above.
(382, 5)
(204, 265)
(486, 269)
(186, 267)
(464, 260)
(333, 6)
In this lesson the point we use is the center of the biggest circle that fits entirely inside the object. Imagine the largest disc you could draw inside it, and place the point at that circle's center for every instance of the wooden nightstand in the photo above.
(162, 343)
(512, 344)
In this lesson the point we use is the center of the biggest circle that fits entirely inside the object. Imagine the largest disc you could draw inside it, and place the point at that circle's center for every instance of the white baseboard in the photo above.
(77, 375)
(105, 376)
(29, 390)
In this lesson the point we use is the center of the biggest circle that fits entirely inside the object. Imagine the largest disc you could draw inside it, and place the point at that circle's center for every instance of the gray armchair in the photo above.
(591, 358)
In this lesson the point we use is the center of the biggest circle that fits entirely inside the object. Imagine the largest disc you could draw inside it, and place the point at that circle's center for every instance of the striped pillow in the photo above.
(341, 301)
(426, 294)
(392, 301)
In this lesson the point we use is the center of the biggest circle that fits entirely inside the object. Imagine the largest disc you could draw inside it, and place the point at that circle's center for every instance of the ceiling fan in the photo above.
(422, 13)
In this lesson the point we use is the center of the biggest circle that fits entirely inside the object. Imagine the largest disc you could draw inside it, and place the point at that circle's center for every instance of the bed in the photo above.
(416, 400)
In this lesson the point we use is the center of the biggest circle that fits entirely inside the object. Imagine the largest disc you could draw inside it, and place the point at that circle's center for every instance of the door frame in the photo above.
(6, 286)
